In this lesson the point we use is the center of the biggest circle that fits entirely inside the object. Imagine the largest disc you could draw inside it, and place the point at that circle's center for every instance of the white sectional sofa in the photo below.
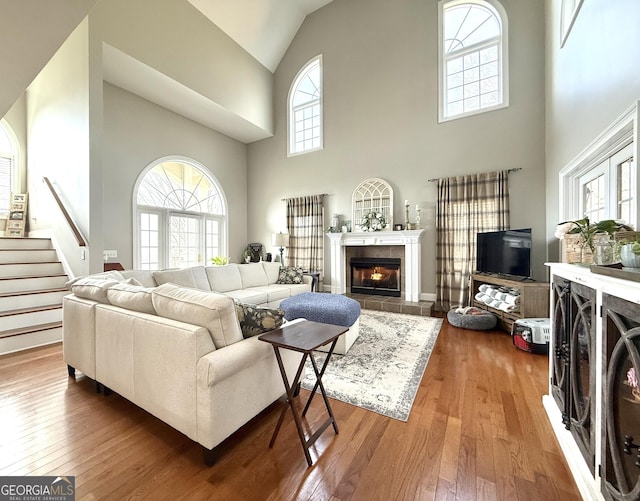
(171, 342)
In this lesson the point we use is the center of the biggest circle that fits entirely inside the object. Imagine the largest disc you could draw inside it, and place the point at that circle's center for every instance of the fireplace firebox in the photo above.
(375, 275)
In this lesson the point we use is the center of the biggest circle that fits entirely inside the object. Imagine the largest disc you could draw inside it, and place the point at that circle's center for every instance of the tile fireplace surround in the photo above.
(412, 261)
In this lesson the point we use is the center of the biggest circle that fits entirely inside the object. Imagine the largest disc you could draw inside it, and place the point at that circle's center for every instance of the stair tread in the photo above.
(30, 329)
(29, 262)
(48, 275)
(32, 309)
(39, 291)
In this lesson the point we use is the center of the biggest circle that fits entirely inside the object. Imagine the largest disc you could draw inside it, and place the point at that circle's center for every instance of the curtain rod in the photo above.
(321, 194)
(515, 169)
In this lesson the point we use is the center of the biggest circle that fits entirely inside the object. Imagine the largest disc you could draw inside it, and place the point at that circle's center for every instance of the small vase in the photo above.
(604, 253)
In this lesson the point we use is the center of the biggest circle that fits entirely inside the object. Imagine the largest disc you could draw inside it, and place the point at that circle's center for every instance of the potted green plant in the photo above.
(219, 260)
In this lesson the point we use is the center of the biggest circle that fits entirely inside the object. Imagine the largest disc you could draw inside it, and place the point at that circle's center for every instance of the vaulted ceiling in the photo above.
(264, 28)
(31, 31)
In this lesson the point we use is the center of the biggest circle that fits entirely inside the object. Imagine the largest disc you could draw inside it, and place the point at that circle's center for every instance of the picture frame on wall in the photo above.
(568, 15)
(19, 197)
(17, 216)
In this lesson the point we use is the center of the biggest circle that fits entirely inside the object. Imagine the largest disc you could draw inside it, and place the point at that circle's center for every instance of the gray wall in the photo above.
(137, 133)
(591, 81)
(380, 112)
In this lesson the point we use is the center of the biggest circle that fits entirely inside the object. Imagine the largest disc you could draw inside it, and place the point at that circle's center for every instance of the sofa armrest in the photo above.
(221, 364)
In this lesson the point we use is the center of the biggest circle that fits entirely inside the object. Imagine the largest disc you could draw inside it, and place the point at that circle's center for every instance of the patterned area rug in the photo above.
(381, 372)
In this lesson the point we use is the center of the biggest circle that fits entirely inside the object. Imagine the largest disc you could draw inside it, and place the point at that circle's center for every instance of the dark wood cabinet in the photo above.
(621, 397)
(573, 378)
(594, 400)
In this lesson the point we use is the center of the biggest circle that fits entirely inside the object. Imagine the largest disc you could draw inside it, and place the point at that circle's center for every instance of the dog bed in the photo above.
(472, 318)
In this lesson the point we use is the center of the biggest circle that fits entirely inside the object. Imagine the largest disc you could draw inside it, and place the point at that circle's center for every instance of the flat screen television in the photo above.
(506, 252)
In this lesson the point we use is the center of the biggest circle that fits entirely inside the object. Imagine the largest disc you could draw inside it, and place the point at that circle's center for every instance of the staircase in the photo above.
(32, 285)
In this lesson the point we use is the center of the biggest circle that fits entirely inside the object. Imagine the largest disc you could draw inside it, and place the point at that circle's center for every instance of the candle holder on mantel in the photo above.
(417, 217)
(407, 224)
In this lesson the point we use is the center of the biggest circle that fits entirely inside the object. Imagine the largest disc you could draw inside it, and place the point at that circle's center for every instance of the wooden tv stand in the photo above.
(534, 298)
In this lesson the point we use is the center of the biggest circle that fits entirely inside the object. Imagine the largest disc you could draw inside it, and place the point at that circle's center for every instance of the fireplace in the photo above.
(375, 275)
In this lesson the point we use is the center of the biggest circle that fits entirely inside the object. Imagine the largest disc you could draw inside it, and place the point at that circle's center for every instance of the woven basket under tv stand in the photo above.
(534, 298)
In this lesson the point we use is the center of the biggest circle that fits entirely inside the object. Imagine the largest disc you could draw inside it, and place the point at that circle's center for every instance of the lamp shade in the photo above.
(280, 239)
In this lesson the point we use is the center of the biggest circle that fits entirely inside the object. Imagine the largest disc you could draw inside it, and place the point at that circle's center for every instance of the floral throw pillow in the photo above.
(290, 275)
(255, 320)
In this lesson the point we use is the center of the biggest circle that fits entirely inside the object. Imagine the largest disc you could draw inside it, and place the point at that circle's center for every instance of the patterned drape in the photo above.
(305, 224)
(466, 205)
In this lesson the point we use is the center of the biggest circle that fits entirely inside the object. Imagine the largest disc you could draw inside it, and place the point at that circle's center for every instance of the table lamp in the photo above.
(280, 240)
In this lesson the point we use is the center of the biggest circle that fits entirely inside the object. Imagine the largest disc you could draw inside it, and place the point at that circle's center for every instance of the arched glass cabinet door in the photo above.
(560, 339)
(582, 370)
(621, 430)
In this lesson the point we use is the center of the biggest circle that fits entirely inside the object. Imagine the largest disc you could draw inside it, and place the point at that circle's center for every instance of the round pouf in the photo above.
(318, 307)
(478, 322)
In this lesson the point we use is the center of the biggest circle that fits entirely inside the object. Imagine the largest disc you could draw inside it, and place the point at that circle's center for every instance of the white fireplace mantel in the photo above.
(410, 239)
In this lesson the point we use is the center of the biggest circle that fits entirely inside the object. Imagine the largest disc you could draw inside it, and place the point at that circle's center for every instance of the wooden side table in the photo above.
(304, 337)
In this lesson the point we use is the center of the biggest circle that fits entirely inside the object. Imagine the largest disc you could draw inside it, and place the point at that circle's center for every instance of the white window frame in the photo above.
(165, 213)
(595, 158)
(291, 130)
(503, 54)
(11, 157)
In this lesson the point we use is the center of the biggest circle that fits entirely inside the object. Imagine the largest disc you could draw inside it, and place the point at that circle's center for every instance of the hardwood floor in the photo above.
(477, 430)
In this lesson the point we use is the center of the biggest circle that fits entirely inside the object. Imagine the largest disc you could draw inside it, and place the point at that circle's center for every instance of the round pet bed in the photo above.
(477, 321)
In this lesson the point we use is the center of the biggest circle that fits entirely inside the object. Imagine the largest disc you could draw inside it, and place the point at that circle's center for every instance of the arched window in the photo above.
(8, 156)
(180, 216)
(472, 57)
(305, 109)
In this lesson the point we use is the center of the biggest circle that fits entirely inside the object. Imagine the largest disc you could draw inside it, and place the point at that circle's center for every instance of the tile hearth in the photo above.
(393, 304)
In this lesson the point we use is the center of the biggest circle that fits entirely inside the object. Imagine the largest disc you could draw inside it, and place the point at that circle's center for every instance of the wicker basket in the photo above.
(575, 250)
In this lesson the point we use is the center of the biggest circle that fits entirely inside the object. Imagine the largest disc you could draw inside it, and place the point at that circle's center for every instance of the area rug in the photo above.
(381, 372)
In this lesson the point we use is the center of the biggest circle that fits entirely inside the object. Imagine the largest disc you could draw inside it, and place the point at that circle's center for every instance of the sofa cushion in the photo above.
(182, 276)
(93, 288)
(144, 277)
(253, 275)
(272, 270)
(251, 296)
(224, 278)
(210, 310)
(290, 275)
(200, 276)
(255, 320)
(131, 297)
(275, 292)
(114, 275)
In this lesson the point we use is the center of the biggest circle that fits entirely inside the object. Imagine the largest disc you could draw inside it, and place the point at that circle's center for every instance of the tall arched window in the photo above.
(305, 109)
(472, 57)
(8, 156)
(180, 216)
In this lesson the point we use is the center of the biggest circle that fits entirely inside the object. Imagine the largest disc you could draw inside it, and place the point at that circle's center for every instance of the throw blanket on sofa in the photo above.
(501, 298)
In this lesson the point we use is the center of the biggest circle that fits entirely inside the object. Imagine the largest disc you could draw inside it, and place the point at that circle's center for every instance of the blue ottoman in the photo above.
(329, 309)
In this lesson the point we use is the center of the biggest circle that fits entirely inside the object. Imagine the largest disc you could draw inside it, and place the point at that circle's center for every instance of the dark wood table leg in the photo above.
(319, 377)
(290, 402)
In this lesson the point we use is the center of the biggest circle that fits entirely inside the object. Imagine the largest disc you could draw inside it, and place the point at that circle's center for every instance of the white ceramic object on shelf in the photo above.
(628, 258)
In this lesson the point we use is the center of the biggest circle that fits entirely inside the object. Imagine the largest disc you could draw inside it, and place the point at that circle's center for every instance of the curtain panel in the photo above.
(305, 224)
(466, 205)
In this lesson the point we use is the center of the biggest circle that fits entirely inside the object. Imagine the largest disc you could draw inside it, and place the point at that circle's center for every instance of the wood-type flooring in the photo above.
(477, 430)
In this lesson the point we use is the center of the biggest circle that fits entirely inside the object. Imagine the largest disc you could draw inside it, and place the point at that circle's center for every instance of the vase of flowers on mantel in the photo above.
(587, 242)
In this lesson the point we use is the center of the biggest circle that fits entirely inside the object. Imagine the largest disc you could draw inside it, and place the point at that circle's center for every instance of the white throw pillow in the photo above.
(215, 312)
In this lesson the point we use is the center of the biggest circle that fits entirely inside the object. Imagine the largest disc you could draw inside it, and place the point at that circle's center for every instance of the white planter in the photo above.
(628, 258)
